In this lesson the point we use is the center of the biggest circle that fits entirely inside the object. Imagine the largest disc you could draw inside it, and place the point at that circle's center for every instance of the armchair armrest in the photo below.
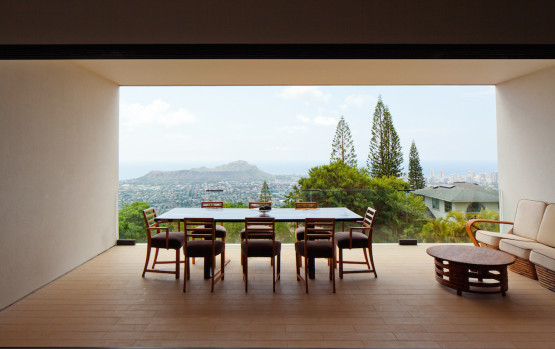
(470, 224)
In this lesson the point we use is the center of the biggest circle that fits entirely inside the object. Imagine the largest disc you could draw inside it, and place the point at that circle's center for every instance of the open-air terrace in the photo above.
(106, 303)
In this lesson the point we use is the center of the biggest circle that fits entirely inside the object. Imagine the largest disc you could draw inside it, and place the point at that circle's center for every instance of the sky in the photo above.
(288, 129)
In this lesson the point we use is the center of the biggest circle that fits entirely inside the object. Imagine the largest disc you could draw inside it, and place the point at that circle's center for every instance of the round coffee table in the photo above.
(471, 268)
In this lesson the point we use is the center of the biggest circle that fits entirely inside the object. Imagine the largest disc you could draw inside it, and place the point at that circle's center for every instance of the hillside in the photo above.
(233, 171)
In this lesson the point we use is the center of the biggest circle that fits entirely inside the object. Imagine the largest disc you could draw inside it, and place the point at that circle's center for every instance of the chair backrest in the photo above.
(319, 229)
(199, 228)
(149, 214)
(369, 218)
(212, 204)
(260, 228)
(546, 234)
(306, 205)
(258, 204)
(528, 217)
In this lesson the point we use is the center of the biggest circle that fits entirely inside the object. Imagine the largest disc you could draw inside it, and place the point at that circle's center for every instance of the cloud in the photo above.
(303, 92)
(294, 129)
(326, 121)
(359, 101)
(155, 113)
(303, 118)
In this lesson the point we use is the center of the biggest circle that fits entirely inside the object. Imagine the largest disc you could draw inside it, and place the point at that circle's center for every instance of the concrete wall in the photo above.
(59, 171)
(526, 139)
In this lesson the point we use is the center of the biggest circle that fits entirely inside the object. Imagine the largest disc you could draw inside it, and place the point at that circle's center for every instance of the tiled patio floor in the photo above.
(105, 302)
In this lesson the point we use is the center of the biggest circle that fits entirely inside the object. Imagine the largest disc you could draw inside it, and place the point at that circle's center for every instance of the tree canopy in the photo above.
(385, 157)
(131, 221)
(416, 177)
(342, 148)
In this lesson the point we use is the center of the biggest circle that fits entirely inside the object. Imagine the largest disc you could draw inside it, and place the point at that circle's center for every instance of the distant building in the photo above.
(459, 196)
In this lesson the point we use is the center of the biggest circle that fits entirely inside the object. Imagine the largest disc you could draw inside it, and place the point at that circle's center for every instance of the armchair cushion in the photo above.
(315, 249)
(359, 240)
(203, 248)
(544, 257)
(260, 248)
(517, 248)
(546, 234)
(528, 217)
(175, 240)
(493, 238)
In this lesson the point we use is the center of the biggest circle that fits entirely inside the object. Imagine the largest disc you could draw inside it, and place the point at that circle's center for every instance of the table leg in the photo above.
(311, 268)
(207, 267)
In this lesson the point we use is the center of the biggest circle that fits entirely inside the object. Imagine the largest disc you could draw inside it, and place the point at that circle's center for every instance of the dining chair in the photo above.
(358, 237)
(260, 241)
(252, 205)
(161, 237)
(221, 232)
(318, 242)
(299, 231)
(208, 247)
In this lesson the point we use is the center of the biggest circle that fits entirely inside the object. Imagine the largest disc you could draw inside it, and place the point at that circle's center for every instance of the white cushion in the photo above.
(492, 238)
(544, 257)
(546, 233)
(517, 248)
(528, 218)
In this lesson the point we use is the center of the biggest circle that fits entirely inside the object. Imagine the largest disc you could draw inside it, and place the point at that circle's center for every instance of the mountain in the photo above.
(233, 171)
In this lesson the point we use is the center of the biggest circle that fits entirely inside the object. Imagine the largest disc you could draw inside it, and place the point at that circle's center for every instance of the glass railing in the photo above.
(400, 213)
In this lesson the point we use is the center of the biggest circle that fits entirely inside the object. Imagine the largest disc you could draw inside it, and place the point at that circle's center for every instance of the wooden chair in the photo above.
(299, 231)
(260, 241)
(221, 232)
(251, 206)
(206, 248)
(162, 238)
(318, 242)
(212, 204)
(355, 239)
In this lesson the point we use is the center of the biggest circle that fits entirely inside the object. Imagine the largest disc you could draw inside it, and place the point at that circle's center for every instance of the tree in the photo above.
(385, 157)
(265, 195)
(416, 178)
(131, 221)
(342, 148)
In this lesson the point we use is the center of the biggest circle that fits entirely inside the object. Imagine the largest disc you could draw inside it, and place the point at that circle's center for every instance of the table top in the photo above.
(341, 214)
(471, 255)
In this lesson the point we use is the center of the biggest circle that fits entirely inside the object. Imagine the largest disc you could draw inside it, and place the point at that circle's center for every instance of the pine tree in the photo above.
(265, 195)
(342, 148)
(385, 156)
(416, 178)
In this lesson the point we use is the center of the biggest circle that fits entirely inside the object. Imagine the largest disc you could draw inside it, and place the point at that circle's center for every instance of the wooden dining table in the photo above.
(340, 214)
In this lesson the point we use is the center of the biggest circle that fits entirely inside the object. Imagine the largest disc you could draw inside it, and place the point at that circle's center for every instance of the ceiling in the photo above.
(208, 72)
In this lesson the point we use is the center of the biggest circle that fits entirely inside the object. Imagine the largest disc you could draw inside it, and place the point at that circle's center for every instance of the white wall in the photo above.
(526, 139)
(58, 170)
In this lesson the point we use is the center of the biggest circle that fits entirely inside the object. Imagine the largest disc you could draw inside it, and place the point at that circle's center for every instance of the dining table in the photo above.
(292, 215)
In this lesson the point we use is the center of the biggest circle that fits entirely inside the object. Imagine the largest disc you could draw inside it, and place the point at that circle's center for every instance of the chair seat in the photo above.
(260, 248)
(175, 240)
(315, 249)
(255, 229)
(360, 240)
(203, 248)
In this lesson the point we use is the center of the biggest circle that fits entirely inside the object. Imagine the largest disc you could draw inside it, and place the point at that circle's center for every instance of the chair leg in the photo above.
(297, 262)
(246, 269)
(155, 258)
(366, 257)
(147, 258)
(273, 274)
(213, 272)
(332, 270)
(186, 276)
(372, 261)
(222, 262)
(177, 264)
(279, 266)
(341, 263)
(306, 272)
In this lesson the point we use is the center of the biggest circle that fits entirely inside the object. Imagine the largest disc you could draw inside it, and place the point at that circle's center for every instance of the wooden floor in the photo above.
(106, 303)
